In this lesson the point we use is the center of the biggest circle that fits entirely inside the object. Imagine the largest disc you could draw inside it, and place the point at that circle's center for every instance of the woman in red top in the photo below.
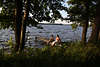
(58, 39)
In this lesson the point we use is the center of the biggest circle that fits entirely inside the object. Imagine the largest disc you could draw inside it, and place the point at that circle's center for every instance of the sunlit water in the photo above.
(65, 32)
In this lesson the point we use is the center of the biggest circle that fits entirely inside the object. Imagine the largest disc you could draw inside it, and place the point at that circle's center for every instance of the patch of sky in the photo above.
(63, 13)
(64, 3)
(0, 9)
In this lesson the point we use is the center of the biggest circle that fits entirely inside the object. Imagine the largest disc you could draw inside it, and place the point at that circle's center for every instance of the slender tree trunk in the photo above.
(95, 33)
(85, 25)
(96, 26)
(84, 33)
(99, 36)
(18, 18)
(23, 27)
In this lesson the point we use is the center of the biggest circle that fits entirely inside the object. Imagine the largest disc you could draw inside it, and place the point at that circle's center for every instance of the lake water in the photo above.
(65, 32)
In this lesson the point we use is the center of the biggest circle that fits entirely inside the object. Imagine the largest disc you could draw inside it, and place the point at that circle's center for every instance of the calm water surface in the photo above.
(65, 32)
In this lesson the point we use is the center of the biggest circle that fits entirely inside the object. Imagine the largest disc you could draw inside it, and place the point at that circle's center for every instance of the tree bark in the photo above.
(85, 25)
(95, 33)
(23, 27)
(99, 36)
(18, 19)
(96, 26)
(84, 33)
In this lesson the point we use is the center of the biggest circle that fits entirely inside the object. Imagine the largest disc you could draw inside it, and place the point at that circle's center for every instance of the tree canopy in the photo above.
(77, 10)
(82, 12)
(41, 10)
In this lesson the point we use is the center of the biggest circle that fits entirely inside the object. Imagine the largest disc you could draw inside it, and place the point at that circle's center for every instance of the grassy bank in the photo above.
(68, 55)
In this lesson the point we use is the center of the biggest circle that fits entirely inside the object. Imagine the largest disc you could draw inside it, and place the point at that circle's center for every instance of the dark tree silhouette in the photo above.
(96, 25)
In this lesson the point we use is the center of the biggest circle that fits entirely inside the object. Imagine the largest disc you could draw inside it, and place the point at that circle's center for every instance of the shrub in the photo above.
(75, 54)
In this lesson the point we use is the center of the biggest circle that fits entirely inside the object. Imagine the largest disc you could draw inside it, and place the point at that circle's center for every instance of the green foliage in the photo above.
(10, 42)
(40, 10)
(1, 52)
(1, 3)
(67, 55)
(74, 26)
(80, 10)
(82, 53)
(6, 21)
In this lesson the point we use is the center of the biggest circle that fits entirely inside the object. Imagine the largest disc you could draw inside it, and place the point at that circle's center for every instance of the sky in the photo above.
(63, 13)
(0, 10)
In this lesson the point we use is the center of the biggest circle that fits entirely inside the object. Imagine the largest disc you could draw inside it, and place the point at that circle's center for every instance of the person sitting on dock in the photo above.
(51, 39)
(57, 41)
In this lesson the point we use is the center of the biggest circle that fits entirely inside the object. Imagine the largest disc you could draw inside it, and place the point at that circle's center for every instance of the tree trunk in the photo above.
(18, 19)
(95, 33)
(23, 27)
(99, 36)
(96, 26)
(85, 27)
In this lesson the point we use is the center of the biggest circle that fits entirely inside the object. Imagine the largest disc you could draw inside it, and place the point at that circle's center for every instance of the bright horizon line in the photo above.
(57, 22)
